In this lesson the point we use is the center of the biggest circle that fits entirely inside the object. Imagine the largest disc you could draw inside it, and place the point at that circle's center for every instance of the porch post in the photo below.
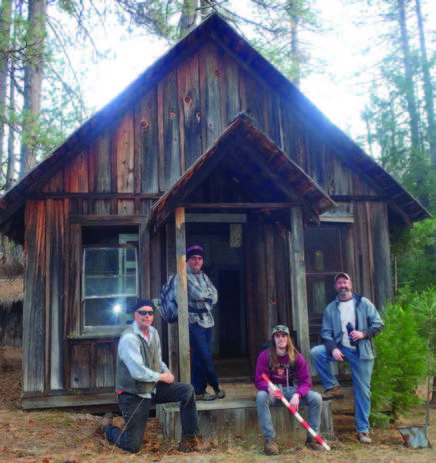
(298, 282)
(182, 297)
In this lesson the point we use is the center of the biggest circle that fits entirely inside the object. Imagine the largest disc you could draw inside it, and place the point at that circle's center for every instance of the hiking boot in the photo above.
(363, 437)
(193, 444)
(334, 392)
(313, 444)
(270, 447)
(220, 393)
(205, 396)
(106, 420)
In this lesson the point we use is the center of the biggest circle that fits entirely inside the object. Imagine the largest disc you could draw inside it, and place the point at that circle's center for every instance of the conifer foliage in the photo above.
(400, 365)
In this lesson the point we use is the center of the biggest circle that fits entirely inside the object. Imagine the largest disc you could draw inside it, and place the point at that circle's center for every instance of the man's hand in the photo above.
(274, 393)
(167, 377)
(295, 401)
(337, 355)
(356, 335)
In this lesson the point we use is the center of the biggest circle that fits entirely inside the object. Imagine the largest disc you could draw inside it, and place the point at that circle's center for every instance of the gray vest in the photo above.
(150, 356)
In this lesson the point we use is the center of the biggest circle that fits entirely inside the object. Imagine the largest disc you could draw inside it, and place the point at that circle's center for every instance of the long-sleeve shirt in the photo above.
(368, 321)
(283, 374)
(202, 295)
(129, 351)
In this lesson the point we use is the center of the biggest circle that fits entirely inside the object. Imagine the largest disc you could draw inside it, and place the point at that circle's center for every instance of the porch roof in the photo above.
(248, 157)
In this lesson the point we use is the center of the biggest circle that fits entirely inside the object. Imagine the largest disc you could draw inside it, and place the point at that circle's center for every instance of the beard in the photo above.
(344, 292)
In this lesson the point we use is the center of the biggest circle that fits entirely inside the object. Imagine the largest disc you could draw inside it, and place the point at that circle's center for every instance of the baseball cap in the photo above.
(280, 329)
(341, 275)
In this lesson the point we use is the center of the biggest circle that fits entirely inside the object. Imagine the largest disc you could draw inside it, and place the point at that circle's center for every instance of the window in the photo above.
(110, 276)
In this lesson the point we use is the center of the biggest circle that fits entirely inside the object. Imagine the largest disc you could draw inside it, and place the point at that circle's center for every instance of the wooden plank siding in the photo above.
(146, 144)
(55, 295)
(282, 276)
(76, 174)
(171, 125)
(212, 123)
(189, 112)
(123, 175)
(168, 104)
(34, 304)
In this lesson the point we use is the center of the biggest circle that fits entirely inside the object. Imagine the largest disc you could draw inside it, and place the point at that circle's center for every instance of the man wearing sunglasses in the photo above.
(142, 380)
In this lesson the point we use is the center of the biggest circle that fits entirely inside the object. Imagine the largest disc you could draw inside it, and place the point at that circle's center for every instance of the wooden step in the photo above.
(238, 418)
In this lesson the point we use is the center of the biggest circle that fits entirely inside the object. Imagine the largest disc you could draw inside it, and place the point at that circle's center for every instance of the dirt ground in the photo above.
(61, 437)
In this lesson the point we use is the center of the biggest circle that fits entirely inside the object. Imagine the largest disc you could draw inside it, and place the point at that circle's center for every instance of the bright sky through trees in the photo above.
(338, 88)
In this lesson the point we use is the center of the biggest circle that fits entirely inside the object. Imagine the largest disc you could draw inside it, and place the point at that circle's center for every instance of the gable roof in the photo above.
(217, 29)
(246, 155)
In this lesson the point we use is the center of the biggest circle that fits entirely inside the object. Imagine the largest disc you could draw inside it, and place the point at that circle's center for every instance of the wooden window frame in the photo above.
(106, 330)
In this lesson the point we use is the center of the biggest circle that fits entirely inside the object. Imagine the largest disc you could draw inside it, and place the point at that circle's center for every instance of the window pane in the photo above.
(110, 272)
(109, 285)
(108, 311)
(323, 250)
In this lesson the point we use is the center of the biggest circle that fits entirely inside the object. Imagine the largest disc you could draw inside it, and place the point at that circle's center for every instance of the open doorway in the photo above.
(224, 264)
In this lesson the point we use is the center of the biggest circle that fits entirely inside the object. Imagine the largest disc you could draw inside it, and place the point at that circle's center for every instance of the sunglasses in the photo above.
(150, 313)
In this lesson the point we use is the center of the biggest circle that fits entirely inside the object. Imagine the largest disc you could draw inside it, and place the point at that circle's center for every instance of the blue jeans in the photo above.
(203, 372)
(361, 371)
(135, 412)
(263, 401)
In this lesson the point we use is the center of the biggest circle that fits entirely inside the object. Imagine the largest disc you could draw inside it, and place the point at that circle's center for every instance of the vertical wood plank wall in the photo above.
(34, 304)
(144, 150)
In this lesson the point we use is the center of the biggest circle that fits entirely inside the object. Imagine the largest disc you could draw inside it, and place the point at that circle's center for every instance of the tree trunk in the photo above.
(33, 73)
(408, 76)
(295, 51)
(10, 172)
(428, 93)
(189, 16)
(5, 35)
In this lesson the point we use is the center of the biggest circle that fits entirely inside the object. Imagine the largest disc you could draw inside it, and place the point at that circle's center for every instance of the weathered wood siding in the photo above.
(268, 292)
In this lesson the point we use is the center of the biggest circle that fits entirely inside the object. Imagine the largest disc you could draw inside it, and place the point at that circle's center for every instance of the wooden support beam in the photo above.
(182, 297)
(93, 196)
(298, 282)
(216, 218)
(108, 220)
(173, 328)
(237, 205)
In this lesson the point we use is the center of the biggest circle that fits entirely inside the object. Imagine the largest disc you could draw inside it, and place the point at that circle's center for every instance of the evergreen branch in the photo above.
(78, 96)
(70, 91)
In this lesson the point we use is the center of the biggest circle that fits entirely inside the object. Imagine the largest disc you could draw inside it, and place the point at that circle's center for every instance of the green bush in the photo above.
(400, 365)
(425, 309)
(414, 255)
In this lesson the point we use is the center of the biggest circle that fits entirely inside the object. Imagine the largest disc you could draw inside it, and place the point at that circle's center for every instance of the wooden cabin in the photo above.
(210, 145)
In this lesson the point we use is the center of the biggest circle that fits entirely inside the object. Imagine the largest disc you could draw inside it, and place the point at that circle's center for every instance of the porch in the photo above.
(236, 416)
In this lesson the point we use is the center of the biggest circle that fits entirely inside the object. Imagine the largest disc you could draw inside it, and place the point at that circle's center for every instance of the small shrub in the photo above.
(380, 420)
(401, 358)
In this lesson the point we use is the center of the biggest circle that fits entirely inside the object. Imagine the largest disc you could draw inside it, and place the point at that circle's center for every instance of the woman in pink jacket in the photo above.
(287, 369)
